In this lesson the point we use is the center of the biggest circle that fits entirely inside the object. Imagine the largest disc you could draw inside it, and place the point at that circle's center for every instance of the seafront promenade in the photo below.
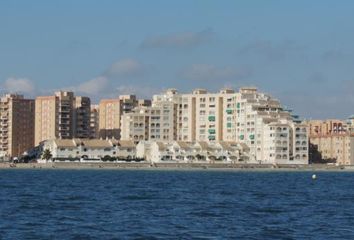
(177, 166)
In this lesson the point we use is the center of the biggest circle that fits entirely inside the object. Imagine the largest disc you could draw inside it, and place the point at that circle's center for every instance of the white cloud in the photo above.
(93, 86)
(125, 67)
(179, 40)
(206, 72)
(19, 85)
(121, 71)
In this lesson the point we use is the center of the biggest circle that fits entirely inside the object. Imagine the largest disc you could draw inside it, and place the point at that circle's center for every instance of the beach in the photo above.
(177, 166)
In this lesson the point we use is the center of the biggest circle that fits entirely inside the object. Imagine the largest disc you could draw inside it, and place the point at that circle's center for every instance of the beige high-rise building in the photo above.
(109, 118)
(62, 116)
(111, 112)
(16, 125)
(206, 116)
(323, 128)
(46, 123)
(333, 140)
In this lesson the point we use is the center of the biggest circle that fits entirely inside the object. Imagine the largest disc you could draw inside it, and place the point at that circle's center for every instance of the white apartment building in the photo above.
(248, 116)
(150, 123)
(269, 131)
(158, 122)
(207, 116)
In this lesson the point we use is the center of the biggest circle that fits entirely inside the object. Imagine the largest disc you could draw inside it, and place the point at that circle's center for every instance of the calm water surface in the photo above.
(127, 204)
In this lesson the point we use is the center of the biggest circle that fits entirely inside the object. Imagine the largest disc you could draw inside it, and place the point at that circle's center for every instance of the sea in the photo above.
(175, 204)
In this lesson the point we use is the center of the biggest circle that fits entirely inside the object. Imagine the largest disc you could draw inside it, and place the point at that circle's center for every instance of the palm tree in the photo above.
(47, 154)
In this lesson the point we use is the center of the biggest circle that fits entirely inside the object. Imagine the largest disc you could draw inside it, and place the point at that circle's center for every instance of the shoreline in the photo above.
(178, 166)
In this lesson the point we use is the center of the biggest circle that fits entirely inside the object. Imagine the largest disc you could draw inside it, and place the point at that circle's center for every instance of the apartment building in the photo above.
(62, 116)
(150, 123)
(333, 139)
(94, 121)
(109, 118)
(111, 112)
(158, 122)
(206, 116)
(135, 125)
(82, 117)
(272, 133)
(247, 116)
(326, 127)
(16, 125)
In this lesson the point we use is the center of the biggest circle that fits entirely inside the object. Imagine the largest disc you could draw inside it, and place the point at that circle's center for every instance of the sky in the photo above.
(300, 52)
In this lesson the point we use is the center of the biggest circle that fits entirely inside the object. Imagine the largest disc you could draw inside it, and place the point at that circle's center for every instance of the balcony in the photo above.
(64, 110)
(211, 137)
(65, 116)
(211, 118)
(211, 131)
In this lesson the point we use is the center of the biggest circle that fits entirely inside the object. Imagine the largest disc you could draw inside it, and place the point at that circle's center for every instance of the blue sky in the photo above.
(301, 52)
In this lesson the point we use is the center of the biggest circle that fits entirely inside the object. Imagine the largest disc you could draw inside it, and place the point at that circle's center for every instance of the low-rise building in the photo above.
(89, 149)
(180, 151)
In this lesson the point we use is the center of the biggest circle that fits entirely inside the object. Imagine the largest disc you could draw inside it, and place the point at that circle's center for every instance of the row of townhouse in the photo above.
(158, 151)
(88, 150)
(256, 119)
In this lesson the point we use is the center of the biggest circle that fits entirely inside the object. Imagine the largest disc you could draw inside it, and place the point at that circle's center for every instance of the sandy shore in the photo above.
(178, 166)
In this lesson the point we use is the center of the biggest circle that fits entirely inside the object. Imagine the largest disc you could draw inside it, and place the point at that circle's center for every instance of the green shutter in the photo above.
(211, 118)
(212, 131)
(211, 137)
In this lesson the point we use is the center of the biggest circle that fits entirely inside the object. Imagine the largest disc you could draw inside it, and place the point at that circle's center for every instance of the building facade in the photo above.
(16, 125)
(247, 117)
(111, 112)
(333, 140)
(88, 150)
(62, 116)
(180, 151)
(94, 121)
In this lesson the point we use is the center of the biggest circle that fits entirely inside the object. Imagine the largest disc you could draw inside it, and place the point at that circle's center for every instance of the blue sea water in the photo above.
(129, 204)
